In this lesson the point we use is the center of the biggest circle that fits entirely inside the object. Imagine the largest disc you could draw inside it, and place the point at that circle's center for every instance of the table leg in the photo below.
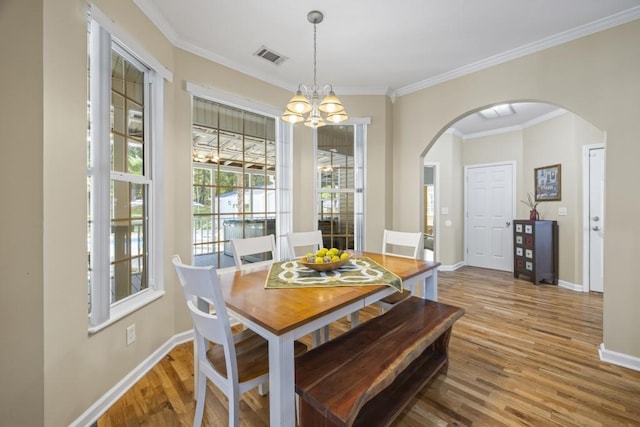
(431, 286)
(426, 288)
(282, 381)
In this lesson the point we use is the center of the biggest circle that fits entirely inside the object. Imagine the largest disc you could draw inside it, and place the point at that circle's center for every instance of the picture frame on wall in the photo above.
(547, 183)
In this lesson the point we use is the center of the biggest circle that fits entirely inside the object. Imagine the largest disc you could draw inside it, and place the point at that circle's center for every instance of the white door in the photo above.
(596, 219)
(489, 201)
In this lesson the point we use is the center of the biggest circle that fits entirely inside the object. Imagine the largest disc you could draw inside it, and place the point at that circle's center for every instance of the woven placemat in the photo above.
(360, 271)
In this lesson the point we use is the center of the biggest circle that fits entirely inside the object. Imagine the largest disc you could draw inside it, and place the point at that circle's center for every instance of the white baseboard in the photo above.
(453, 267)
(94, 412)
(620, 359)
(570, 286)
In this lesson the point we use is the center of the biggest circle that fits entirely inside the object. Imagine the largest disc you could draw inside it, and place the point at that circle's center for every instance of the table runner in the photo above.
(361, 271)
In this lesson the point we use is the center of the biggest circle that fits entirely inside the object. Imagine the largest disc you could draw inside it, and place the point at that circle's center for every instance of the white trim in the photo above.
(100, 89)
(514, 192)
(91, 415)
(527, 49)
(620, 359)
(550, 115)
(570, 286)
(103, 43)
(127, 306)
(436, 205)
(357, 121)
(232, 100)
(586, 276)
(452, 267)
(130, 43)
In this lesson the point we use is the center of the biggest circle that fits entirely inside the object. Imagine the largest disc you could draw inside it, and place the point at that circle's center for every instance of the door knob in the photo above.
(508, 223)
(595, 228)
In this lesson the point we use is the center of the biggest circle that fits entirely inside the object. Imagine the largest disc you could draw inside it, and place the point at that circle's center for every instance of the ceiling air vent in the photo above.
(270, 55)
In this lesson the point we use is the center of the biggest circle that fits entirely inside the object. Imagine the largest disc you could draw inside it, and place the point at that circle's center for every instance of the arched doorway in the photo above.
(531, 135)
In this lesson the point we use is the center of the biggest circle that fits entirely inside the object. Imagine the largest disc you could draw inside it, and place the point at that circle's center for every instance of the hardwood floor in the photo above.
(521, 355)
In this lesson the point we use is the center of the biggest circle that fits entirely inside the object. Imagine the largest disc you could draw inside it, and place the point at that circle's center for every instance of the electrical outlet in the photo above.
(562, 211)
(131, 334)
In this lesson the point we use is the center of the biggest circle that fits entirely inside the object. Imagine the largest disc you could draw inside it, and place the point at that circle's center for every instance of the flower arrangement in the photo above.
(532, 204)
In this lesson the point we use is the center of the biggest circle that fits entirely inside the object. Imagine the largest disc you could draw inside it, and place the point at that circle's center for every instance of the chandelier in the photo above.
(314, 100)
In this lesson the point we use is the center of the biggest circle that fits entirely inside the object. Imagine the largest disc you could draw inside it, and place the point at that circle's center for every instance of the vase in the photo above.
(534, 215)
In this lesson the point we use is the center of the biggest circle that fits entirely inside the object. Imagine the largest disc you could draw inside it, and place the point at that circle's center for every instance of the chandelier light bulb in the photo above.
(299, 103)
(338, 117)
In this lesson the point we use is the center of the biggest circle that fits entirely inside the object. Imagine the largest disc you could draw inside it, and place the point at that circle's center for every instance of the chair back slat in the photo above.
(304, 240)
(401, 243)
(202, 282)
(242, 248)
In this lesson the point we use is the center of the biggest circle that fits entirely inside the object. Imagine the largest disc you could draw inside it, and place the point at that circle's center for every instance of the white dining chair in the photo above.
(302, 242)
(258, 248)
(403, 244)
(234, 363)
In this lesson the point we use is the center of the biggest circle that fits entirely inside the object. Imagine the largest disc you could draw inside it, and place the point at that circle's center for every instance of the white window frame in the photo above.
(104, 36)
(284, 156)
(359, 157)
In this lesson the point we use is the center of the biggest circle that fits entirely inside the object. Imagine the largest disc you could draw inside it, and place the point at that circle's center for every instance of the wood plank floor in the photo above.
(521, 355)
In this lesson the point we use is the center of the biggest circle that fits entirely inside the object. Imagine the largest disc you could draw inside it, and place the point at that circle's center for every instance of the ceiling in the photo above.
(381, 48)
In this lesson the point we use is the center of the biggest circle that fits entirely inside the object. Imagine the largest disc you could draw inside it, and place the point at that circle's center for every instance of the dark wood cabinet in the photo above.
(535, 250)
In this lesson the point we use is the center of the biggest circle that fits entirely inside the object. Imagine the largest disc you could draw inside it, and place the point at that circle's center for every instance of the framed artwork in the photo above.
(547, 183)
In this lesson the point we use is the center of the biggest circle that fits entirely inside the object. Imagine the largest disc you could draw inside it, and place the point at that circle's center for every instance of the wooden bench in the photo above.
(368, 375)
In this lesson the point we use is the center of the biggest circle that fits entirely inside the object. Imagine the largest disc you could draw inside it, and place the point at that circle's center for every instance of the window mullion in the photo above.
(100, 135)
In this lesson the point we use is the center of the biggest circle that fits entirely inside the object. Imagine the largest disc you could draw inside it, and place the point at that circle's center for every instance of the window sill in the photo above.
(126, 307)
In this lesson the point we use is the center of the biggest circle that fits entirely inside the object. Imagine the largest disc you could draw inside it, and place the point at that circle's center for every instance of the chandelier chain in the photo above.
(315, 61)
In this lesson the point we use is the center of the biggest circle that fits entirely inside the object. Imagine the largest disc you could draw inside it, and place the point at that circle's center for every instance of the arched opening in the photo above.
(527, 136)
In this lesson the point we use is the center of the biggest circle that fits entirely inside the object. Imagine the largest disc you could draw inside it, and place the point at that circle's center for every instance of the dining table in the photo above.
(283, 315)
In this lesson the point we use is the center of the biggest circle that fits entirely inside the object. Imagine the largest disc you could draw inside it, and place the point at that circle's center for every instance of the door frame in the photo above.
(586, 285)
(514, 211)
(436, 207)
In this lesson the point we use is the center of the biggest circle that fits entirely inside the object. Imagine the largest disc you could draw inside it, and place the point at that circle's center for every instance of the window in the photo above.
(120, 184)
(340, 184)
(234, 179)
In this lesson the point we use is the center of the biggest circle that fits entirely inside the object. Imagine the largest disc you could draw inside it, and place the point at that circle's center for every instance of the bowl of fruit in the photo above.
(326, 259)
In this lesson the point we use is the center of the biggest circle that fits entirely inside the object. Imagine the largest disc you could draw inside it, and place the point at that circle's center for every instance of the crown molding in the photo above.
(543, 118)
(516, 128)
(158, 19)
(564, 37)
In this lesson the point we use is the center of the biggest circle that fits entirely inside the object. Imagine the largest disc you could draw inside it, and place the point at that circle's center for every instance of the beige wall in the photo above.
(80, 367)
(21, 214)
(553, 142)
(448, 153)
(53, 370)
(595, 77)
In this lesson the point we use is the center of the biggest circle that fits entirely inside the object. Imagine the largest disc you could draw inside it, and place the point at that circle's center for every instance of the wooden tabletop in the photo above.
(282, 310)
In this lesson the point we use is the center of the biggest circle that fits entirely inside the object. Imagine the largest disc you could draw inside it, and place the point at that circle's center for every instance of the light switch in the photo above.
(444, 211)
(562, 211)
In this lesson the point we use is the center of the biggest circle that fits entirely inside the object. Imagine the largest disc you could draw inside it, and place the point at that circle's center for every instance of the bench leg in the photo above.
(441, 346)
(354, 318)
(320, 336)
